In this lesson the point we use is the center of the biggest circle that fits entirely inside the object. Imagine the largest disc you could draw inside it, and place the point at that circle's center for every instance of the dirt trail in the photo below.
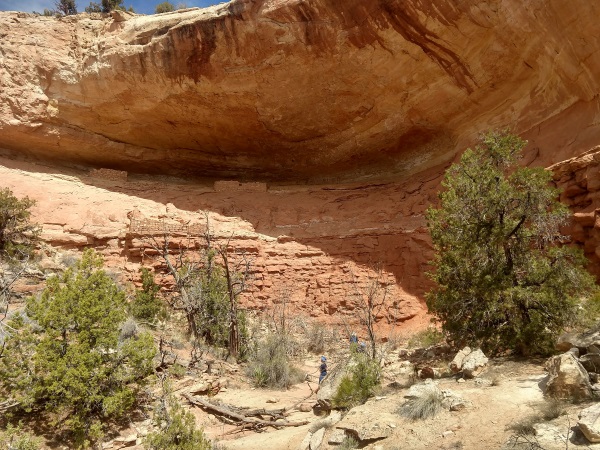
(505, 394)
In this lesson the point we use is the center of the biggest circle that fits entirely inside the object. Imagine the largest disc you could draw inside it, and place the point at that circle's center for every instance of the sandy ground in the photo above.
(506, 394)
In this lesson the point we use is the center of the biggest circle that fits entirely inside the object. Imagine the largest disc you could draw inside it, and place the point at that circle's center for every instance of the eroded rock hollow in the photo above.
(346, 112)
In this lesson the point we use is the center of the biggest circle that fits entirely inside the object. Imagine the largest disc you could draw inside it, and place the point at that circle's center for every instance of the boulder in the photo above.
(305, 407)
(567, 379)
(330, 384)
(591, 362)
(200, 388)
(337, 437)
(125, 441)
(317, 439)
(589, 423)
(418, 390)
(453, 401)
(366, 425)
(457, 362)
(427, 372)
(474, 363)
(586, 341)
(305, 444)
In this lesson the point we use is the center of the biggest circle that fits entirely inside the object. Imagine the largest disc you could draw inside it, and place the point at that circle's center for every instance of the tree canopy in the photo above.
(65, 353)
(504, 278)
(66, 7)
(164, 7)
(18, 235)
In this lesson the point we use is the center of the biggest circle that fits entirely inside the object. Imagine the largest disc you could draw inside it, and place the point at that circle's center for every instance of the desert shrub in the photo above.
(66, 7)
(317, 338)
(177, 370)
(208, 297)
(426, 338)
(175, 429)
(552, 409)
(18, 236)
(65, 355)
(146, 306)
(360, 383)
(129, 329)
(524, 426)
(14, 438)
(589, 312)
(425, 406)
(349, 443)
(503, 278)
(270, 364)
(164, 7)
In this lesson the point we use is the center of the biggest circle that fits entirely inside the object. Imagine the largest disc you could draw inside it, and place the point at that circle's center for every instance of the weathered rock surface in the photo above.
(579, 180)
(470, 362)
(567, 379)
(307, 243)
(361, 423)
(300, 90)
(459, 358)
(330, 384)
(589, 423)
(372, 99)
(591, 362)
(316, 439)
(474, 363)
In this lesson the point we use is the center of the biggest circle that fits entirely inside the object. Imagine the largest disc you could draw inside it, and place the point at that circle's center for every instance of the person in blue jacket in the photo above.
(323, 369)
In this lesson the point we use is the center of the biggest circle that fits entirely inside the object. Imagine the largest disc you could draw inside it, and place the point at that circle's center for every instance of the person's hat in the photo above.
(323, 359)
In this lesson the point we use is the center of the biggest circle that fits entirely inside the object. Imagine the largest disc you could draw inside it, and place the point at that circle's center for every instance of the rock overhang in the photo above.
(297, 90)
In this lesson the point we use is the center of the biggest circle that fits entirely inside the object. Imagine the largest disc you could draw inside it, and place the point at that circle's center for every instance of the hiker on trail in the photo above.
(362, 347)
(353, 338)
(323, 369)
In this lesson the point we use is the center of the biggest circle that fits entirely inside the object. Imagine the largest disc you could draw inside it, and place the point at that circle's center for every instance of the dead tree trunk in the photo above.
(234, 332)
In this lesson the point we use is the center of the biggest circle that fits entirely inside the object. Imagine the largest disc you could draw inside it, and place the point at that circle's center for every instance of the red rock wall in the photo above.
(316, 246)
(579, 180)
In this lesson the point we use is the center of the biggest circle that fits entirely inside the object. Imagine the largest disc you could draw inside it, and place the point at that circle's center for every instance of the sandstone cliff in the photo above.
(297, 90)
(349, 110)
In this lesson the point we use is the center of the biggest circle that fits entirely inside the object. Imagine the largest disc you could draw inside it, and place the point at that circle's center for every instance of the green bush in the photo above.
(426, 338)
(18, 236)
(176, 429)
(360, 384)
(209, 296)
(504, 279)
(349, 443)
(13, 438)
(164, 7)
(589, 314)
(146, 306)
(64, 353)
(270, 364)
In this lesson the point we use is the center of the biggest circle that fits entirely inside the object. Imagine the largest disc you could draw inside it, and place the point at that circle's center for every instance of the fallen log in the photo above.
(249, 422)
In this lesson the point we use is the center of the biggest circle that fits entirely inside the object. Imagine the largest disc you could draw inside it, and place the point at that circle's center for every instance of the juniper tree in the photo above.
(66, 7)
(164, 7)
(504, 278)
(18, 235)
(64, 354)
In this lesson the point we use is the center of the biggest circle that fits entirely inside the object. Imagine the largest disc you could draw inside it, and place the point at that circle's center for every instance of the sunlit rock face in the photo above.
(291, 90)
(337, 118)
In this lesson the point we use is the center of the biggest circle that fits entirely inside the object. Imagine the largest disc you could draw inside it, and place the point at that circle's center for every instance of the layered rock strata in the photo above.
(316, 248)
(579, 181)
